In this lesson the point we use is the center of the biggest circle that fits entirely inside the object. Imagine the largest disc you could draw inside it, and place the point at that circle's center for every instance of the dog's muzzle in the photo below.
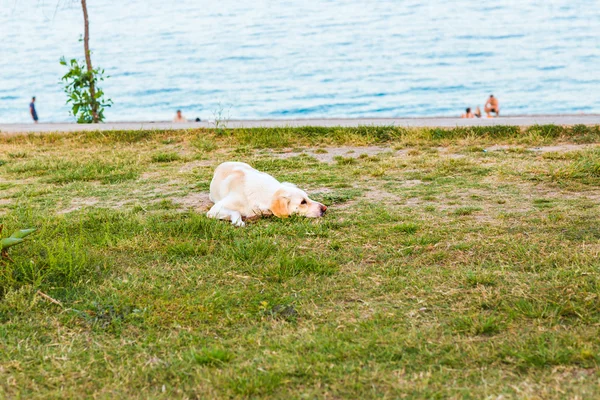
(323, 209)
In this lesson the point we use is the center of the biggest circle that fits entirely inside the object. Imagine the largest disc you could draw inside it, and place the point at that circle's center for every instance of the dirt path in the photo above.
(328, 154)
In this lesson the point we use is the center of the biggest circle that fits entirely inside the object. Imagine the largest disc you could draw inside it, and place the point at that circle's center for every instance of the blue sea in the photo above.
(300, 59)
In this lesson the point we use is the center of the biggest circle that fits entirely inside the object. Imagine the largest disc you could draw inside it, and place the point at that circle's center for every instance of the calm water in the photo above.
(311, 58)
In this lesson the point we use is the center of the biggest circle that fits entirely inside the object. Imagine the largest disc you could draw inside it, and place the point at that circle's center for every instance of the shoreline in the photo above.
(414, 122)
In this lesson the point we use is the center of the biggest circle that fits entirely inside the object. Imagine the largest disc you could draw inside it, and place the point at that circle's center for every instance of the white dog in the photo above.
(238, 190)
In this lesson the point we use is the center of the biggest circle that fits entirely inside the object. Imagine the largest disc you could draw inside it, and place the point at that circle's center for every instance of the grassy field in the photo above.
(458, 263)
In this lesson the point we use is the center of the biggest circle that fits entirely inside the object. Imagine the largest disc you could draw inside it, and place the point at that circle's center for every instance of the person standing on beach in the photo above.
(32, 110)
(179, 117)
(492, 106)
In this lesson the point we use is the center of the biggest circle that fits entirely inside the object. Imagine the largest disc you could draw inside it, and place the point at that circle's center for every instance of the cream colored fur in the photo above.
(240, 191)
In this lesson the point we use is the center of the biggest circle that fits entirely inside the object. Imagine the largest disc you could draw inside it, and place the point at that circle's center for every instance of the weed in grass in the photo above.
(212, 357)
(478, 325)
(171, 140)
(285, 312)
(242, 150)
(407, 227)
(164, 204)
(341, 160)
(204, 144)
(480, 278)
(585, 168)
(339, 196)
(461, 211)
(165, 157)
(543, 203)
(378, 172)
(18, 154)
(546, 131)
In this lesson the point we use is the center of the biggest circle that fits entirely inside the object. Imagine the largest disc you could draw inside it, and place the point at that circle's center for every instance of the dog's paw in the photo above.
(212, 214)
(238, 222)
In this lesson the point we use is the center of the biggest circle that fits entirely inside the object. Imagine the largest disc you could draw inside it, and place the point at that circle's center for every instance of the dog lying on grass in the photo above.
(240, 192)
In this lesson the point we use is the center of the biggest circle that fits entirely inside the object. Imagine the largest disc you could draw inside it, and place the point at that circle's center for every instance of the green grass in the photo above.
(165, 157)
(435, 274)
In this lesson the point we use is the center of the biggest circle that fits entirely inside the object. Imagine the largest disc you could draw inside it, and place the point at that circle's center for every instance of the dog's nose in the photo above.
(323, 209)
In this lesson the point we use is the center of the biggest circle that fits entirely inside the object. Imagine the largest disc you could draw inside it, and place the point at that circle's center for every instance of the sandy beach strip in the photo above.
(444, 122)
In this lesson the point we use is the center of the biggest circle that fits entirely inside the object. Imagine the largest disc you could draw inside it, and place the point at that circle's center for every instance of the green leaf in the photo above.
(20, 234)
(8, 242)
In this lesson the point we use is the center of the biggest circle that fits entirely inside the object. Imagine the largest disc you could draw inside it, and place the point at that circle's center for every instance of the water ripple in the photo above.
(335, 58)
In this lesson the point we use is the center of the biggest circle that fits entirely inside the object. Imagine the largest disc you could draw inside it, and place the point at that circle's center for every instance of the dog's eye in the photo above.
(303, 201)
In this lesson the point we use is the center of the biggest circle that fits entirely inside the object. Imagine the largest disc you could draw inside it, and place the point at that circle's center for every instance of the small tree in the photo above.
(81, 83)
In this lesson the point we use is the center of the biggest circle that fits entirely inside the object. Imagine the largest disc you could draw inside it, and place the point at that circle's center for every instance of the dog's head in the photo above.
(290, 200)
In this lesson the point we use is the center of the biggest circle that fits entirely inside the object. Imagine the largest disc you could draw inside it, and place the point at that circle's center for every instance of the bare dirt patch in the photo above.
(413, 183)
(196, 201)
(190, 166)
(78, 203)
(327, 154)
(562, 148)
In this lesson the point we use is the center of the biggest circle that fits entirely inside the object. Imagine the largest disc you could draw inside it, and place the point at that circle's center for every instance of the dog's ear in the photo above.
(280, 204)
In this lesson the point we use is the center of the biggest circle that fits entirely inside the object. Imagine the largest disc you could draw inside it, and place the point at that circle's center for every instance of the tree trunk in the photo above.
(88, 62)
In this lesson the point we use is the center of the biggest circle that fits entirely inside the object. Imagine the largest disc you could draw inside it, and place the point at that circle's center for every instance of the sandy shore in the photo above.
(589, 119)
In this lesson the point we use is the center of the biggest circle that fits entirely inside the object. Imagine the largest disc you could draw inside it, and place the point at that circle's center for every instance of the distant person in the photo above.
(179, 117)
(32, 110)
(492, 106)
(468, 113)
(477, 112)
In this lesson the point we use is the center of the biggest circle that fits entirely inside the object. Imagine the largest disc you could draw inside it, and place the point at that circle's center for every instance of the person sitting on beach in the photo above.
(179, 117)
(32, 110)
(492, 106)
(468, 113)
(477, 112)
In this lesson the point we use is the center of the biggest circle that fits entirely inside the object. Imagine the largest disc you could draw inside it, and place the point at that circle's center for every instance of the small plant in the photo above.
(86, 98)
(466, 210)
(221, 116)
(165, 157)
(407, 227)
(341, 160)
(203, 145)
(14, 239)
